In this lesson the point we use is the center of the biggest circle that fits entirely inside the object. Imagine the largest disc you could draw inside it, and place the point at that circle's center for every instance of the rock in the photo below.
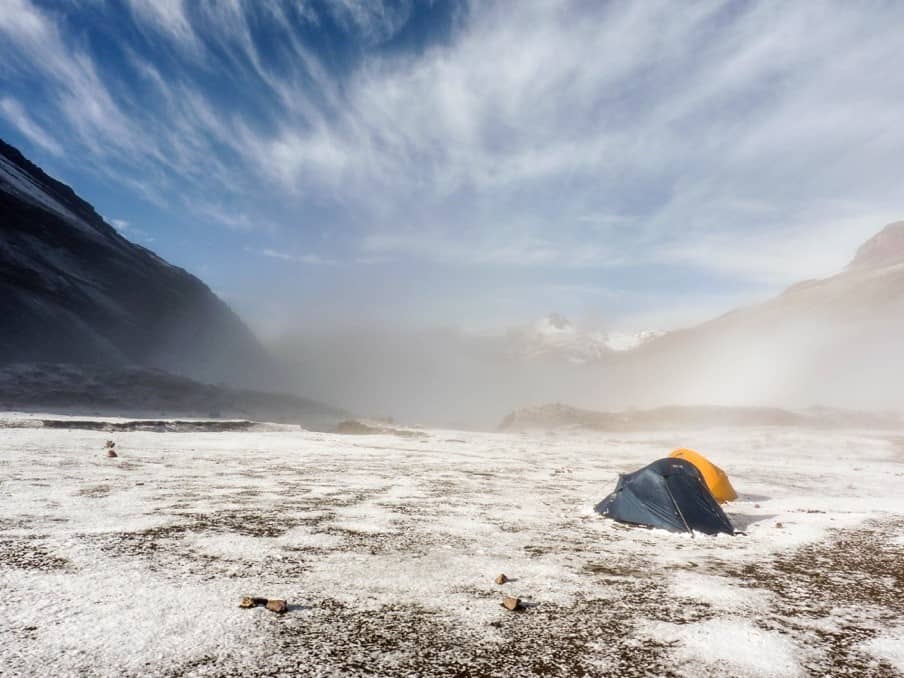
(779, 525)
(756, 506)
(501, 579)
(250, 601)
(111, 453)
(354, 427)
(277, 605)
(512, 603)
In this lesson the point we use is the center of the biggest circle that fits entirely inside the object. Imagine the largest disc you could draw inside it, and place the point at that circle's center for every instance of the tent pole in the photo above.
(675, 504)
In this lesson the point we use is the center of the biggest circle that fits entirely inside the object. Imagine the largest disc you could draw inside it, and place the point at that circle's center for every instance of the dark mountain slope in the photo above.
(72, 289)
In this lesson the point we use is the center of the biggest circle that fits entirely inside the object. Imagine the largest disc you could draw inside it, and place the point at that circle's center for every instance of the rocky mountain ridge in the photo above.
(74, 290)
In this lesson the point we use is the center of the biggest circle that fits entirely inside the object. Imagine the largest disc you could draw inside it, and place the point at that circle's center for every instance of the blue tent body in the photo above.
(669, 493)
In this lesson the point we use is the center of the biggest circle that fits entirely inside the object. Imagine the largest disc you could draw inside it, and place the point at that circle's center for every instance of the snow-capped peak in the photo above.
(625, 341)
(554, 335)
(554, 324)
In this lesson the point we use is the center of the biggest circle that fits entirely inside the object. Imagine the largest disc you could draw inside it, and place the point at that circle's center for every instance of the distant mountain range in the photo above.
(73, 290)
(557, 417)
(834, 341)
(554, 337)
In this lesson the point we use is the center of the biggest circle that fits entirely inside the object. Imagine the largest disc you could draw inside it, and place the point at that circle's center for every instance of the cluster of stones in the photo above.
(281, 606)
(273, 604)
(511, 603)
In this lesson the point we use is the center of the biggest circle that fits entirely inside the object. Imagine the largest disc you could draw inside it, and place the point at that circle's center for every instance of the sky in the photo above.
(471, 164)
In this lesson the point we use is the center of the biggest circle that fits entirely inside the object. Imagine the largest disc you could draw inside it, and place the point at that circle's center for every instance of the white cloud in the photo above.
(18, 18)
(12, 110)
(313, 259)
(503, 247)
(792, 252)
(733, 106)
(373, 19)
(82, 100)
(223, 216)
(170, 17)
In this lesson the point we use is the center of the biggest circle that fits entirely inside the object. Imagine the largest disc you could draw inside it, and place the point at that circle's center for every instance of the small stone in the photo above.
(756, 506)
(111, 453)
(511, 603)
(779, 525)
(277, 605)
(250, 601)
(501, 579)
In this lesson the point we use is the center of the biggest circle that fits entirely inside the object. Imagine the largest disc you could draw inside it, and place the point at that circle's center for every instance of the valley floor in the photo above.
(386, 548)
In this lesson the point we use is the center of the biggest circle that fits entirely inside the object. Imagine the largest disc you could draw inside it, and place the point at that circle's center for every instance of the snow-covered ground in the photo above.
(386, 549)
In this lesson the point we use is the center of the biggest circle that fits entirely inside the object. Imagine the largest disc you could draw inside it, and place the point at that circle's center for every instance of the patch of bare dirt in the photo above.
(28, 553)
(854, 580)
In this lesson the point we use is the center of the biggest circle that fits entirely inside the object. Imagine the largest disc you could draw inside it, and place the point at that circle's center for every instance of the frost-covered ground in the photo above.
(386, 548)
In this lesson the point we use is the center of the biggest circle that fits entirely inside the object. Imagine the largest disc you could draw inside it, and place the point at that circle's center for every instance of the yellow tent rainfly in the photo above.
(716, 479)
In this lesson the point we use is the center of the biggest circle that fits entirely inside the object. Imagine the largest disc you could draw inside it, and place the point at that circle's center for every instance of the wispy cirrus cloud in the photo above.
(12, 110)
(313, 259)
(169, 17)
(606, 140)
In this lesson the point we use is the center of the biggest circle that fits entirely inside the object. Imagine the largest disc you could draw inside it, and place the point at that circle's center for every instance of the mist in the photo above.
(832, 342)
(432, 376)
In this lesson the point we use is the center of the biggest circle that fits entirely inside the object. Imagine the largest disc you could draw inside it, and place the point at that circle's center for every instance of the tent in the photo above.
(669, 493)
(714, 477)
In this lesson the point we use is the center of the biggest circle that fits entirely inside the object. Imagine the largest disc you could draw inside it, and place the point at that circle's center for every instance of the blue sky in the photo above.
(470, 164)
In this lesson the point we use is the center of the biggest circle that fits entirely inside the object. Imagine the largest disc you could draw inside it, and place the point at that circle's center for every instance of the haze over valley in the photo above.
(76, 291)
